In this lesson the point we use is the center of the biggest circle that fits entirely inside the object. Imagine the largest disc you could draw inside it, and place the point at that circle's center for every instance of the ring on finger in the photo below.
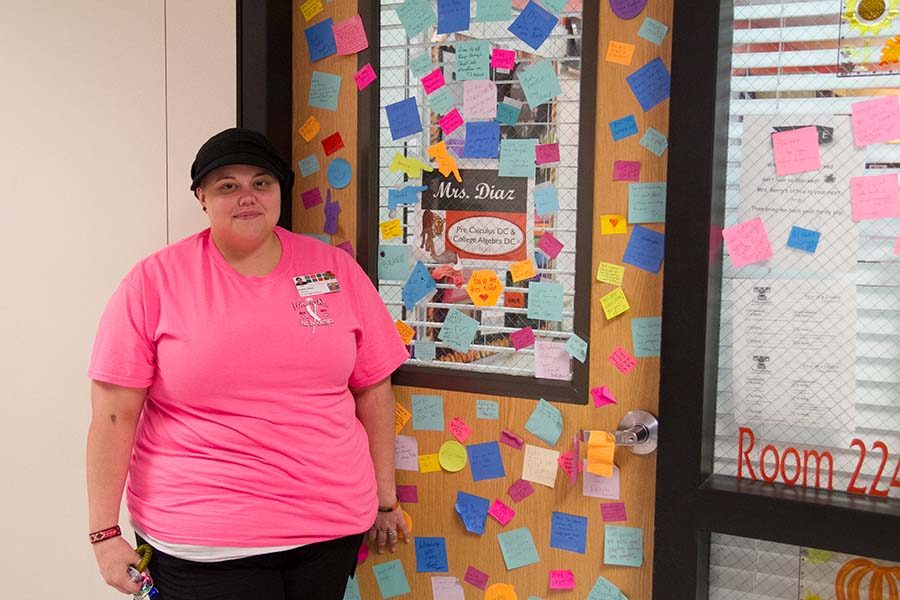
(392, 533)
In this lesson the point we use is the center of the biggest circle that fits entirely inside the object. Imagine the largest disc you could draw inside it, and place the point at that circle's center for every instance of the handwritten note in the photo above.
(479, 99)
(646, 333)
(484, 287)
(453, 15)
(523, 269)
(401, 415)
(653, 31)
(503, 59)
(540, 465)
(433, 81)
(485, 461)
(646, 202)
(407, 195)
(568, 532)
(547, 154)
(623, 128)
(545, 422)
(645, 249)
(310, 128)
(522, 338)
(473, 511)
(428, 412)
(450, 122)
(540, 83)
(875, 197)
(614, 303)
(533, 25)
(549, 245)
(546, 199)
(408, 494)
(476, 578)
(311, 8)
(601, 487)
(747, 242)
(452, 456)
(613, 224)
(562, 580)
(418, 286)
(501, 512)
(518, 548)
(324, 90)
(394, 262)
(406, 453)
(619, 52)
(429, 463)
(472, 60)
(309, 165)
(623, 546)
(426, 350)
(552, 361)
(311, 197)
(431, 554)
(416, 16)
(796, 151)
(514, 299)
(406, 332)
(610, 273)
(603, 589)
(626, 170)
(602, 396)
(627, 9)
(390, 229)
(487, 409)
(391, 579)
(403, 118)
(458, 330)
(622, 361)
(517, 158)
(654, 141)
(613, 512)
(483, 140)
(521, 489)
(803, 239)
(876, 121)
(650, 84)
(421, 65)
(447, 588)
(491, 11)
(350, 36)
(508, 114)
(364, 77)
(411, 165)
(320, 40)
(577, 348)
(460, 430)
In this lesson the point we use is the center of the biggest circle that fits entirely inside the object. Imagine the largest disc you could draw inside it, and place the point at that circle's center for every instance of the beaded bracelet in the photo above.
(105, 534)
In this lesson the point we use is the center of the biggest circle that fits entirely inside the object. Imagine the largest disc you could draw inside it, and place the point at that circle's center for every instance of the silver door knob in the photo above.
(637, 431)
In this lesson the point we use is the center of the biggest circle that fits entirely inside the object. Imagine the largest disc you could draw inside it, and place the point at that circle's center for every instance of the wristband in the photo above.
(390, 509)
(105, 534)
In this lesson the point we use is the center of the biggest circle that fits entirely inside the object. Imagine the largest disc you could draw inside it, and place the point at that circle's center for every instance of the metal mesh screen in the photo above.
(810, 336)
(489, 221)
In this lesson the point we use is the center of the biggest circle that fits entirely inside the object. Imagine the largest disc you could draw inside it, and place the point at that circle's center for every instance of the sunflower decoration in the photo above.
(870, 17)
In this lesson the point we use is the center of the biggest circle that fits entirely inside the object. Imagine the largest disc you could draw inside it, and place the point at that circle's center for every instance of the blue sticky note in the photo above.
(645, 249)
(647, 202)
(568, 532)
(803, 239)
(428, 413)
(546, 200)
(517, 158)
(623, 128)
(485, 461)
(324, 90)
(604, 590)
(545, 300)
(419, 285)
(352, 590)
(473, 60)
(421, 65)
(487, 409)
(403, 118)
(394, 262)
(416, 16)
(491, 11)
(473, 511)
(453, 15)
(431, 555)
(546, 422)
(650, 84)
(339, 173)
(426, 350)
(646, 333)
(533, 25)
(540, 83)
(623, 546)
(458, 330)
(320, 40)
(654, 141)
(507, 114)
(406, 195)
(518, 548)
(308, 165)
(577, 348)
(391, 579)
(653, 31)
(441, 101)
(482, 140)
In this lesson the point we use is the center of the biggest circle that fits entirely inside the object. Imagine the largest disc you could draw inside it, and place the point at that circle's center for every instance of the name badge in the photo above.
(315, 284)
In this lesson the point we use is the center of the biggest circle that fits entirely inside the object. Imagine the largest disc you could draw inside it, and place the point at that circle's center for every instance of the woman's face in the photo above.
(243, 203)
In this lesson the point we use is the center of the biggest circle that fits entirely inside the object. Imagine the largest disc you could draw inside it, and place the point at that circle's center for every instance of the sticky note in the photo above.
(562, 580)
(875, 121)
(523, 269)
(429, 463)
(364, 77)
(484, 287)
(619, 52)
(416, 16)
(352, 590)
(503, 59)
(350, 36)
(491, 11)
(485, 461)
(428, 412)
(408, 494)
(510, 439)
(431, 554)
(513, 299)
(421, 65)
(803, 239)
(646, 202)
(602, 396)
(626, 170)
(472, 60)
(645, 249)
(419, 285)
(310, 128)
(332, 143)
(557, 6)
(433, 81)
(546, 200)
(447, 588)
(339, 173)
(458, 330)
(391, 579)
(613, 224)
(501, 512)
(407, 195)
(453, 15)
(406, 453)
(614, 303)
(613, 512)
(875, 197)
(650, 84)
(394, 262)
(627, 9)
(482, 140)
(796, 151)
(473, 511)
(426, 350)
(601, 453)
(311, 8)
(522, 338)
(654, 141)
(621, 360)
(568, 532)
(517, 158)
(411, 165)
(540, 465)
(546, 154)
(518, 548)
(324, 90)
(623, 128)
(309, 165)
(391, 229)
(320, 40)
(545, 422)
(552, 360)
(403, 118)
(549, 245)
(479, 99)
(520, 490)
(450, 122)
(460, 430)
(545, 300)
(347, 246)
(646, 333)
(610, 273)
(487, 409)
(507, 114)
(623, 546)
(441, 101)
(603, 589)
(500, 591)
(577, 348)
(406, 332)
(311, 197)
(540, 83)
(533, 25)
(653, 31)
(476, 578)
(601, 487)
(401, 416)
(747, 242)
(570, 464)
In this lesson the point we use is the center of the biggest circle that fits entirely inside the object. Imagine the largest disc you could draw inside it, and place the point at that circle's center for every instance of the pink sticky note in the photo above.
(503, 59)
(477, 578)
(406, 453)
(450, 122)
(614, 512)
(626, 170)
(747, 242)
(347, 247)
(796, 151)
(562, 580)
(550, 245)
(875, 197)
(365, 76)
(311, 197)
(621, 360)
(545, 154)
(573, 474)
(501, 512)
(511, 439)
(350, 36)
(520, 490)
(602, 396)
(522, 338)
(407, 493)
(569, 462)
(460, 430)
(433, 81)
(875, 121)
(479, 99)
(363, 553)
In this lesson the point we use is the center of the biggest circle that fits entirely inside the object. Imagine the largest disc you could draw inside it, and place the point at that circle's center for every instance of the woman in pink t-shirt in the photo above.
(241, 398)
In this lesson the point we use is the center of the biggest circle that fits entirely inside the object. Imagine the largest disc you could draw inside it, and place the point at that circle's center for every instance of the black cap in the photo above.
(238, 146)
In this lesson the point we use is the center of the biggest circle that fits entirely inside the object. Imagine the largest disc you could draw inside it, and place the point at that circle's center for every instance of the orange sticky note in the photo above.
(311, 8)
(619, 52)
(401, 417)
(310, 128)
(484, 287)
(517, 299)
(445, 161)
(524, 269)
(601, 453)
(406, 332)
(500, 591)
(613, 224)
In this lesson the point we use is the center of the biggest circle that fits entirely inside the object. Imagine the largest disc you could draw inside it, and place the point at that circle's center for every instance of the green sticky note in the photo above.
(540, 83)
(458, 330)
(352, 591)
(428, 413)
(556, 6)
(425, 350)
(646, 202)
(324, 89)
(646, 333)
(416, 16)
(517, 158)
(577, 348)
(489, 11)
(604, 590)
(421, 65)
(472, 60)
(395, 262)
(391, 579)
(653, 31)
(518, 548)
(487, 409)
(441, 101)
(654, 141)
(546, 422)
(545, 300)
(623, 546)
(308, 165)
(507, 114)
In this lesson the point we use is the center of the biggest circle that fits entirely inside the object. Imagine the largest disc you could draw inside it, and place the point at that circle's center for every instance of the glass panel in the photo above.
(810, 314)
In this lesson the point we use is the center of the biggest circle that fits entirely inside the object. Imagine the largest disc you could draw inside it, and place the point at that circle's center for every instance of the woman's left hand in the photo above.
(388, 528)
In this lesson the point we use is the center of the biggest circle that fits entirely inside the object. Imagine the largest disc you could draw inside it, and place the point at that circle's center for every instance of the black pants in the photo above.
(314, 572)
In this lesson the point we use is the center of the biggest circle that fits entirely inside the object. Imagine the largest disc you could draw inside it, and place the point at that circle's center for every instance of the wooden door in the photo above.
(433, 514)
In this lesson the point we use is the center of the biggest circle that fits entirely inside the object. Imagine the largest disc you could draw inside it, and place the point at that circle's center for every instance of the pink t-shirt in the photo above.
(249, 436)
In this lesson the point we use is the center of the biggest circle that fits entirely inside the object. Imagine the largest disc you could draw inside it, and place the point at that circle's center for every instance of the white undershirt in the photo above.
(207, 553)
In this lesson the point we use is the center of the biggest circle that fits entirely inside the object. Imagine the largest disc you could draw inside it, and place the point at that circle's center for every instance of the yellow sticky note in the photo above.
(601, 453)
(311, 8)
(484, 287)
(524, 269)
(610, 273)
(619, 52)
(401, 417)
(391, 229)
(819, 557)
(310, 128)
(411, 165)
(500, 591)
(406, 332)
(614, 303)
(452, 456)
(429, 463)
(613, 224)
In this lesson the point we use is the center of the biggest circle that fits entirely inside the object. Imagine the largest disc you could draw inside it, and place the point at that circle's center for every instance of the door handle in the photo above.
(638, 431)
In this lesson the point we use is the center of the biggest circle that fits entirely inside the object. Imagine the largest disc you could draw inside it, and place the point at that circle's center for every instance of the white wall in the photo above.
(104, 103)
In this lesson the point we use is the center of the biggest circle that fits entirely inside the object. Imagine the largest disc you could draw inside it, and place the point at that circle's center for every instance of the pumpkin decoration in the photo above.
(850, 579)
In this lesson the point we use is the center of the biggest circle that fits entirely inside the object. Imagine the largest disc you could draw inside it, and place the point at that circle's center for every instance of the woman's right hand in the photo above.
(114, 556)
